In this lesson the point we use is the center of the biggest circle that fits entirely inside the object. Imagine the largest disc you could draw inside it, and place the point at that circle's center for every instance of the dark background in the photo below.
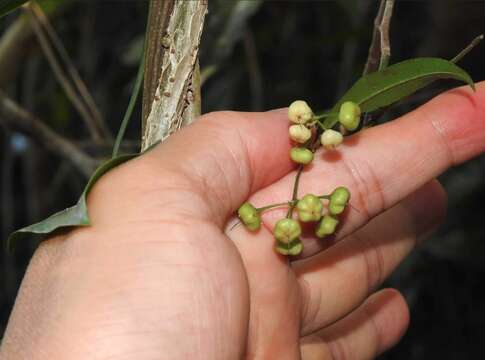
(262, 55)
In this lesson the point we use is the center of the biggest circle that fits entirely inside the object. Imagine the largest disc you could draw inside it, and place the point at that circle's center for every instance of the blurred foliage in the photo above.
(262, 55)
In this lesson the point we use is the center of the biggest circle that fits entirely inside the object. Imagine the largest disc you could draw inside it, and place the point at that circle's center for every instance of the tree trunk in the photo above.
(171, 97)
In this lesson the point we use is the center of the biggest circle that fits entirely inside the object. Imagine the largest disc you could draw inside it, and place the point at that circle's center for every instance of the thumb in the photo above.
(215, 164)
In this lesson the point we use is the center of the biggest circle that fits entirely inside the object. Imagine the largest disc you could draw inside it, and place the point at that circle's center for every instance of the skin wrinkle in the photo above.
(365, 186)
(375, 331)
(338, 350)
(307, 317)
(225, 189)
(223, 133)
(373, 261)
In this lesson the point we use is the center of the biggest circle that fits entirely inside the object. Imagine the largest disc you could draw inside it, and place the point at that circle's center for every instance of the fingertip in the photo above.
(458, 118)
(390, 314)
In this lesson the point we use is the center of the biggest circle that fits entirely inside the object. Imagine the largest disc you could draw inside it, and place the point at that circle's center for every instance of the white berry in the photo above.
(330, 139)
(299, 112)
(300, 133)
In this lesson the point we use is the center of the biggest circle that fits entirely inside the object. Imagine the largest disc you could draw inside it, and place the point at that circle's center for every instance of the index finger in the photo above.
(384, 164)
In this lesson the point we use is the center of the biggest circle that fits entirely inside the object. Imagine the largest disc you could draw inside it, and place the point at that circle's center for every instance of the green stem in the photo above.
(320, 124)
(272, 206)
(287, 203)
(294, 197)
(466, 50)
(322, 116)
(131, 106)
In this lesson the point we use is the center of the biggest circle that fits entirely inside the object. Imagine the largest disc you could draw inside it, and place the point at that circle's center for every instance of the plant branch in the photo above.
(21, 120)
(179, 57)
(469, 48)
(71, 69)
(15, 41)
(380, 49)
(62, 77)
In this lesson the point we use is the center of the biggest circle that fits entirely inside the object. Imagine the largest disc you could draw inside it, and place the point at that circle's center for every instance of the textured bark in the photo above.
(158, 19)
(178, 49)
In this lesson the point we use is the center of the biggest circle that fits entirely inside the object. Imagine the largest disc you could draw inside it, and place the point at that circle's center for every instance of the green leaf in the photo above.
(76, 215)
(6, 6)
(385, 87)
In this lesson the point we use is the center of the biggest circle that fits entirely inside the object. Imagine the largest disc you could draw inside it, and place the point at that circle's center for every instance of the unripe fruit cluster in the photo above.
(310, 208)
(303, 120)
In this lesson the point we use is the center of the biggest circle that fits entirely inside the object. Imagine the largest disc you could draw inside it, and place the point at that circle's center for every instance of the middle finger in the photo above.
(350, 270)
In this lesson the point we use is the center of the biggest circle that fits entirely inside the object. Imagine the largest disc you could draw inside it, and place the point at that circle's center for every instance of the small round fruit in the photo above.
(330, 139)
(249, 216)
(339, 199)
(287, 230)
(326, 226)
(301, 155)
(309, 208)
(349, 115)
(294, 248)
(300, 133)
(299, 112)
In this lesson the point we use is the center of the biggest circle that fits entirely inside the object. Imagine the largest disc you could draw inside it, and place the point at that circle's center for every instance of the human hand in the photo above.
(161, 273)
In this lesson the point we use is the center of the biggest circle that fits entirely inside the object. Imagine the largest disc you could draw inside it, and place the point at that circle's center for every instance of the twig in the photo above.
(15, 41)
(380, 49)
(17, 118)
(349, 51)
(294, 196)
(71, 69)
(469, 48)
(181, 43)
(62, 77)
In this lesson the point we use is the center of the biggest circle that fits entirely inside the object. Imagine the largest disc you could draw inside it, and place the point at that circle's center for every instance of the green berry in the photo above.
(294, 248)
(249, 216)
(309, 208)
(339, 199)
(326, 226)
(349, 115)
(301, 155)
(281, 248)
(287, 230)
(299, 112)
(300, 133)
